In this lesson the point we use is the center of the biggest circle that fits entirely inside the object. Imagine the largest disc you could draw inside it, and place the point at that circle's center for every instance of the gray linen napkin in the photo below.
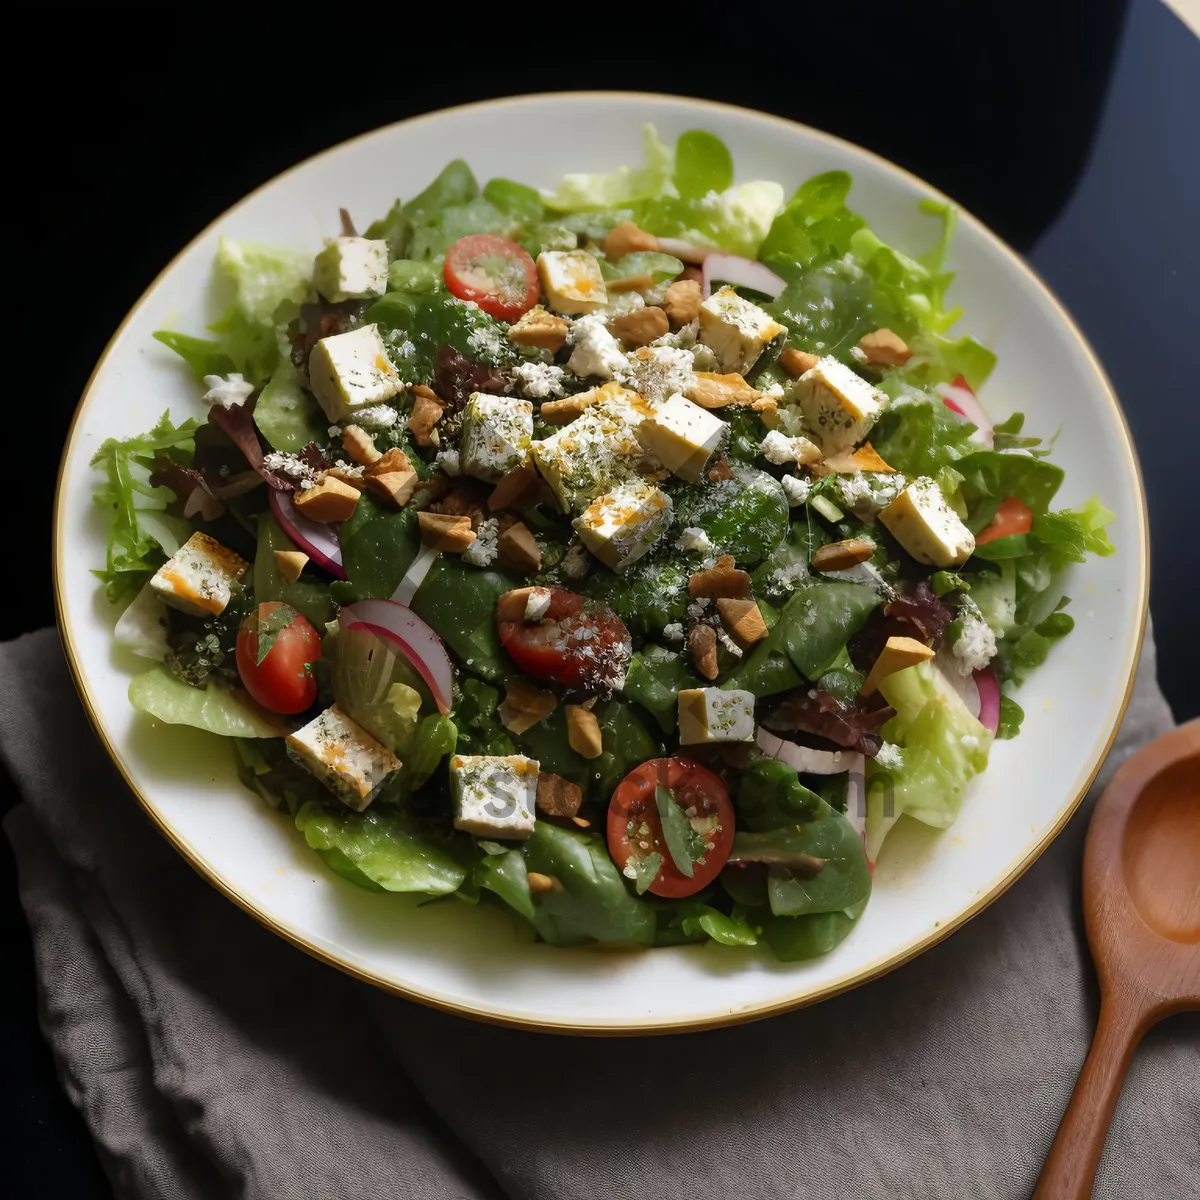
(211, 1059)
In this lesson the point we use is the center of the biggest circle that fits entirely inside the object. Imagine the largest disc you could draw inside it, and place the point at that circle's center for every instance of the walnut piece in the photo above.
(840, 556)
(627, 238)
(360, 445)
(518, 548)
(716, 391)
(583, 731)
(796, 362)
(517, 489)
(556, 796)
(682, 302)
(426, 412)
(524, 705)
(883, 348)
(443, 531)
(722, 580)
(541, 330)
(702, 643)
(640, 328)
(543, 883)
(328, 501)
(392, 478)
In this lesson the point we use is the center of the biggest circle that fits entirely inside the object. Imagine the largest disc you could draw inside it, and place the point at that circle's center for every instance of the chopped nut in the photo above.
(583, 731)
(897, 653)
(511, 606)
(640, 328)
(682, 302)
(563, 412)
(743, 621)
(840, 556)
(426, 412)
(722, 580)
(556, 796)
(702, 642)
(352, 479)
(768, 411)
(329, 501)
(582, 822)
(289, 563)
(360, 445)
(631, 283)
(518, 548)
(541, 330)
(627, 238)
(796, 362)
(716, 391)
(524, 705)
(868, 460)
(719, 470)
(465, 499)
(392, 477)
(883, 348)
(543, 883)
(442, 531)
(517, 489)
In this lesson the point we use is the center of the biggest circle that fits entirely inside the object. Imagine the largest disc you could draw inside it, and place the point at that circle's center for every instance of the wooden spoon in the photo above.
(1141, 907)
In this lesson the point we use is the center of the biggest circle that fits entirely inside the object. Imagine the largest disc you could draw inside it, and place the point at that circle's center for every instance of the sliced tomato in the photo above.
(494, 273)
(1011, 517)
(634, 827)
(283, 681)
(578, 642)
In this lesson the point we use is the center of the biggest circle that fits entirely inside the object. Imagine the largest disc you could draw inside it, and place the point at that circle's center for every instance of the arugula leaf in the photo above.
(270, 627)
(684, 844)
(647, 867)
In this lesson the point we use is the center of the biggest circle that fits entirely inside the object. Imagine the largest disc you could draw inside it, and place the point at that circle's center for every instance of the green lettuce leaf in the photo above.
(214, 708)
(620, 187)
(286, 415)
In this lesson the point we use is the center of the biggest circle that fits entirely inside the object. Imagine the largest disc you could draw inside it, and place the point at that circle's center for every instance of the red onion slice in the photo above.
(687, 252)
(412, 637)
(319, 542)
(741, 272)
(959, 398)
(989, 699)
(805, 758)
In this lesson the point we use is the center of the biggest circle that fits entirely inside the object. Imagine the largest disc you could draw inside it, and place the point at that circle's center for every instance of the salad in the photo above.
(631, 555)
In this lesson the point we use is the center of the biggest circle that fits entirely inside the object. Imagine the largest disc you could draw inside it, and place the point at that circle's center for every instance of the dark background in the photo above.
(1072, 129)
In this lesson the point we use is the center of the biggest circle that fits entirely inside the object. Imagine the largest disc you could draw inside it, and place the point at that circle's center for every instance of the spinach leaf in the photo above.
(795, 939)
(745, 516)
(304, 595)
(378, 545)
(647, 867)
(654, 680)
(771, 795)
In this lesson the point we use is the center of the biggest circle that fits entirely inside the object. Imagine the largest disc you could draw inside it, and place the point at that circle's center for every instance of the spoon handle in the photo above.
(1071, 1165)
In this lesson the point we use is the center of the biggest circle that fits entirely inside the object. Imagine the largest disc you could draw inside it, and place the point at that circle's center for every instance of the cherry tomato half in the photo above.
(494, 273)
(1011, 517)
(578, 642)
(283, 681)
(634, 827)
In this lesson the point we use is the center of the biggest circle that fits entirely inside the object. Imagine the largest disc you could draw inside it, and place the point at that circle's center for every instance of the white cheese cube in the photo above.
(351, 268)
(839, 406)
(927, 527)
(494, 795)
(343, 756)
(594, 452)
(596, 352)
(735, 330)
(622, 525)
(778, 448)
(352, 370)
(715, 715)
(496, 433)
(571, 281)
(200, 577)
(683, 436)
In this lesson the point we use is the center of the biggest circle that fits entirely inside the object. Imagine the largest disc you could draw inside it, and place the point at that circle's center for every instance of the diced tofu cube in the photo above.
(597, 450)
(839, 407)
(343, 756)
(927, 527)
(200, 577)
(494, 795)
(683, 436)
(571, 281)
(496, 433)
(350, 371)
(351, 268)
(735, 330)
(715, 715)
(596, 353)
(622, 525)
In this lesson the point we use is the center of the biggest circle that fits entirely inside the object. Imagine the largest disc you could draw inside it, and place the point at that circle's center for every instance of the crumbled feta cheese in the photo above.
(779, 449)
(449, 462)
(291, 465)
(540, 381)
(868, 491)
(229, 391)
(576, 563)
(673, 632)
(596, 353)
(538, 603)
(376, 418)
(694, 539)
(975, 646)
(483, 550)
(334, 431)
(657, 372)
(796, 489)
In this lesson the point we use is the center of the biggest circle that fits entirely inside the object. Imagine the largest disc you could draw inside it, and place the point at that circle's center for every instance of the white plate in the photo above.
(465, 959)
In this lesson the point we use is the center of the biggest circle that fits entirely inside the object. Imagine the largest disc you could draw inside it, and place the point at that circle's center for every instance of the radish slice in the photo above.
(805, 758)
(959, 398)
(741, 272)
(415, 575)
(412, 637)
(989, 699)
(319, 542)
(687, 252)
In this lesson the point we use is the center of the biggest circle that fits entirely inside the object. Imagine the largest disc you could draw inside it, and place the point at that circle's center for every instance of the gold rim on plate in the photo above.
(714, 1020)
